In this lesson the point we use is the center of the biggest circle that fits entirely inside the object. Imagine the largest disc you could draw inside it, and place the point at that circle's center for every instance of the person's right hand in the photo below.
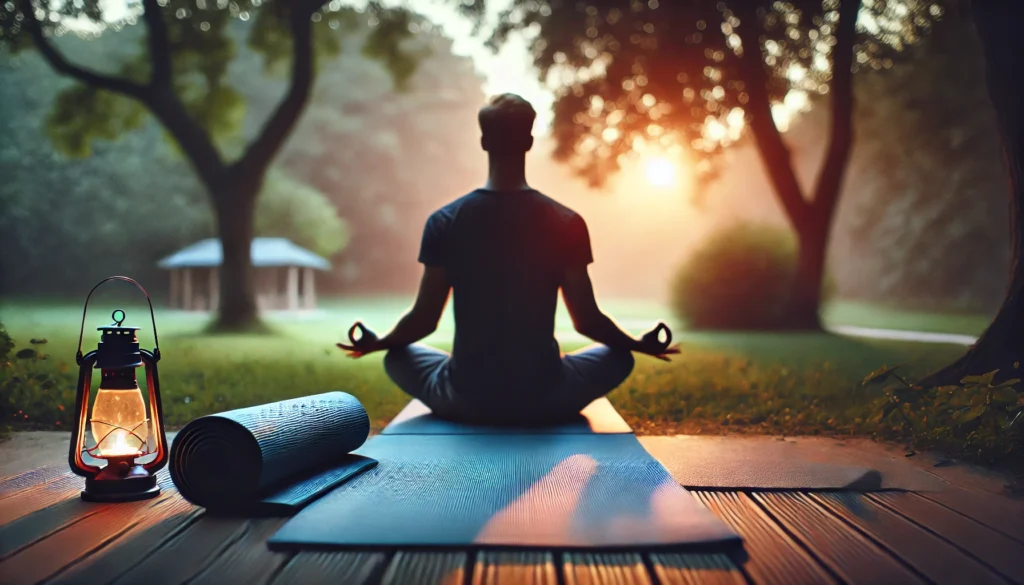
(367, 343)
(650, 343)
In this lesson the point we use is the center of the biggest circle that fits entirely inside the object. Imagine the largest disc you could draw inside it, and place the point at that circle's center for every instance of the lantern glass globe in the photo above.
(119, 423)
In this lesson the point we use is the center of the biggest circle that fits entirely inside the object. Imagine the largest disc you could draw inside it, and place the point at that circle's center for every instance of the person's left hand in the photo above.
(367, 343)
(652, 344)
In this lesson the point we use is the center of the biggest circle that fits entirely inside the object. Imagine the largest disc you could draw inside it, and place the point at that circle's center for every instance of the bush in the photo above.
(739, 279)
(32, 395)
(976, 418)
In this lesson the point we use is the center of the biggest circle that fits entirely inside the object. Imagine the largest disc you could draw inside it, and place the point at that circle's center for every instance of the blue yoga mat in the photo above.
(466, 489)
(271, 459)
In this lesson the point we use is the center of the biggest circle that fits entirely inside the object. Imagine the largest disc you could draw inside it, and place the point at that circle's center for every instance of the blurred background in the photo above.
(366, 164)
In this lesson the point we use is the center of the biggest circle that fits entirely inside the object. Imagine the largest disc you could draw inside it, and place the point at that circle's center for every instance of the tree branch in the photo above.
(60, 63)
(194, 141)
(159, 46)
(773, 150)
(280, 124)
(826, 193)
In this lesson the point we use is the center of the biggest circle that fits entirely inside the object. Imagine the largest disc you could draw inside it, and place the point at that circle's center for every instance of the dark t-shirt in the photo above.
(505, 254)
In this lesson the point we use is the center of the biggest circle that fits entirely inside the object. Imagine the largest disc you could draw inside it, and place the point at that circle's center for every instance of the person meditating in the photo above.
(504, 251)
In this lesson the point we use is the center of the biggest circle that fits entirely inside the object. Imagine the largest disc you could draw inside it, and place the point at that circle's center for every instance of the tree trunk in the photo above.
(1001, 346)
(805, 302)
(811, 219)
(235, 221)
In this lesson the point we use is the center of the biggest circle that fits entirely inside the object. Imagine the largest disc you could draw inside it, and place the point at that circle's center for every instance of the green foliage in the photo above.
(976, 417)
(740, 278)
(657, 72)
(375, 153)
(203, 39)
(384, 44)
(291, 209)
(83, 114)
(33, 393)
(6, 343)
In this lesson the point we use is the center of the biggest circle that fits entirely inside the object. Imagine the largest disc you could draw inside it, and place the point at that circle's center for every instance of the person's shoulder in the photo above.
(560, 210)
(449, 210)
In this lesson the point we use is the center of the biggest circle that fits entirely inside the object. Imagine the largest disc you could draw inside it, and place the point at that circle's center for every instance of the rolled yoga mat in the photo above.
(271, 459)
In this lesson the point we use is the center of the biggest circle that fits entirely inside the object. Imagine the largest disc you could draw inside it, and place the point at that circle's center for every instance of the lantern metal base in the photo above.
(128, 489)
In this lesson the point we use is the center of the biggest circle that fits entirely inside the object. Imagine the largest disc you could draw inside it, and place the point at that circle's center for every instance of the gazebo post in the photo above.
(214, 303)
(186, 289)
(175, 301)
(308, 289)
(293, 288)
(261, 295)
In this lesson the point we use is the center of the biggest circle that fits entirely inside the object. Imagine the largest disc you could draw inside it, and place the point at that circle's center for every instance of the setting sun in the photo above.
(661, 172)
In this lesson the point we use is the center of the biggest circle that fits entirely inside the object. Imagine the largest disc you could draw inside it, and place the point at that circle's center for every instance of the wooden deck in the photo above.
(47, 534)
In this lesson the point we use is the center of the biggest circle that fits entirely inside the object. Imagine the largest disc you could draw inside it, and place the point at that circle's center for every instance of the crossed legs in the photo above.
(587, 374)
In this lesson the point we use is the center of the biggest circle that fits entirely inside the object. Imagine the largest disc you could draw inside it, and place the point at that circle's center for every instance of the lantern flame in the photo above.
(119, 423)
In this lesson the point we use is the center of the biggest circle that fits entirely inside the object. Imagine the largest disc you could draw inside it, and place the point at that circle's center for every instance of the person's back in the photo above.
(505, 254)
(505, 251)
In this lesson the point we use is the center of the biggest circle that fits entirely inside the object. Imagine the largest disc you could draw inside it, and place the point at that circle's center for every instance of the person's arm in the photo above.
(422, 319)
(587, 317)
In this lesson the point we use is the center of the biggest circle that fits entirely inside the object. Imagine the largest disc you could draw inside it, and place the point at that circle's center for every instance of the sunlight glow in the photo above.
(661, 172)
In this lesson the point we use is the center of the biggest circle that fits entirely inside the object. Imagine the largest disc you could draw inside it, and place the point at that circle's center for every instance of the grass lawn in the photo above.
(769, 383)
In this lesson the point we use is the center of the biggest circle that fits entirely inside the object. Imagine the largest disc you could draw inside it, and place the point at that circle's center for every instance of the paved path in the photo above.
(900, 335)
(636, 325)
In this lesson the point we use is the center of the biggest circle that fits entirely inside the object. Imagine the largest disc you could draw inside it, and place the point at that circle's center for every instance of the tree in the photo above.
(65, 224)
(697, 73)
(179, 80)
(1001, 346)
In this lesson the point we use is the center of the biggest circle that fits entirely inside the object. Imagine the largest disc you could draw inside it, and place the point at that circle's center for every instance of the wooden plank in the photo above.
(10, 486)
(930, 555)
(135, 544)
(994, 548)
(694, 569)
(65, 486)
(772, 556)
(426, 568)
(998, 513)
(605, 569)
(515, 568)
(51, 555)
(247, 560)
(846, 552)
(27, 530)
(36, 498)
(198, 546)
(332, 568)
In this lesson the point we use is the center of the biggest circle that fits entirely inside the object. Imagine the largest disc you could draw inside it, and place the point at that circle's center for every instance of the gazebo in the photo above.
(195, 275)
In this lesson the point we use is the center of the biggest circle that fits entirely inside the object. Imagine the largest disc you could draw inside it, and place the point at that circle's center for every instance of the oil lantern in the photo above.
(124, 433)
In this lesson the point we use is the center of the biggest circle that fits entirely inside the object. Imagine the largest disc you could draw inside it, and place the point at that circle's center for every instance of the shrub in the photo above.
(740, 278)
(976, 418)
(32, 393)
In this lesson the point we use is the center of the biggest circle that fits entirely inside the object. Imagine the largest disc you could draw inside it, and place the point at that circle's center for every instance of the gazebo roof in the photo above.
(265, 252)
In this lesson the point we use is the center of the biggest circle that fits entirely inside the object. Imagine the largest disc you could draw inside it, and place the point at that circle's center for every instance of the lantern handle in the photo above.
(81, 332)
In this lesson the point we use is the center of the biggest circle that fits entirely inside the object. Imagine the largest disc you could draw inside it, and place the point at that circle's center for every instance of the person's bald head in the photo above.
(506, 125)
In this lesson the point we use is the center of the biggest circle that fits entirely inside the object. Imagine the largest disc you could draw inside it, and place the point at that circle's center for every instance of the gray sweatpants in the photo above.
(588, 374)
